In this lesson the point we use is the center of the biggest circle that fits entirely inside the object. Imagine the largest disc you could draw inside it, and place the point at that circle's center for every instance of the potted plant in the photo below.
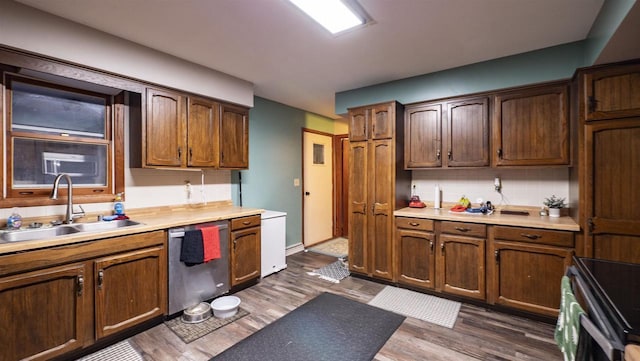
(554, 204)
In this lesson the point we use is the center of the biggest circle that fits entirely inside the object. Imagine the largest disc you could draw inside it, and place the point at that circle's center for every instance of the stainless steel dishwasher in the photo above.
(189, 285)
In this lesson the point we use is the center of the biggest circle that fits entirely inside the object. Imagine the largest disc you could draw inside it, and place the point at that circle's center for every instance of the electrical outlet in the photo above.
(296, 182)
(497, 184)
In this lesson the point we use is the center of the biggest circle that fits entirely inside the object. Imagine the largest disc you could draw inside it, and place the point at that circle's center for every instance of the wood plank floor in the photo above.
(478, 334)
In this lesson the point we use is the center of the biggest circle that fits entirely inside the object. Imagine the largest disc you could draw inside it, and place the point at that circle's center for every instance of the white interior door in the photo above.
(317, 188)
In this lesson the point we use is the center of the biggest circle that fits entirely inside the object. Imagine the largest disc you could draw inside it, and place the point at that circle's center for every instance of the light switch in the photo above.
(296, 182)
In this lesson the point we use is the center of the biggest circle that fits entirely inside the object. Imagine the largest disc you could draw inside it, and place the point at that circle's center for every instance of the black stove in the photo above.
(616, 287)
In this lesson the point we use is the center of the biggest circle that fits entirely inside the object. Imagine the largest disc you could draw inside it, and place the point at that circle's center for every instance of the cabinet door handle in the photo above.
(442, 248)
(461, 229)
(234, 244)
(593, 103)
(496, 254)
(431, 245)
(190, 154)
(530, 236)
(100, 278)
(499, 151)
(415, 224)
(438, 154)
(179, 152)
(449, 154)
(80, 283)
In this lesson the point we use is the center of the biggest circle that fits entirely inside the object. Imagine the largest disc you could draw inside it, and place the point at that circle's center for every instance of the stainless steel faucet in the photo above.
(70, 214)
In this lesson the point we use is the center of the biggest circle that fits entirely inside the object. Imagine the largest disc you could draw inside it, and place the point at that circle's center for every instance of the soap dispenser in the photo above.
(118, 207)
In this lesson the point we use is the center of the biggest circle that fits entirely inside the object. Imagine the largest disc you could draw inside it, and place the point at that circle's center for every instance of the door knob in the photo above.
(307, 193)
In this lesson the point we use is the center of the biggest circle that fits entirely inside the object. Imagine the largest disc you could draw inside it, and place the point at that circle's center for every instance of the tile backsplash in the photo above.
(520, 187)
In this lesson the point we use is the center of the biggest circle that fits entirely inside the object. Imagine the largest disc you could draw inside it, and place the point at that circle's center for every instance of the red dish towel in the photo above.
(211, 242)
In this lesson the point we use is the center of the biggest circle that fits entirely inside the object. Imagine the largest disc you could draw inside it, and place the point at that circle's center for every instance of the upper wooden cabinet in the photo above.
(467, 140)
(531, 126)
(180, 130)
(447, 134)
(374, 122)
(612, 92)
(234, 137)
(423, 136)
(202, 126)
(165, 128)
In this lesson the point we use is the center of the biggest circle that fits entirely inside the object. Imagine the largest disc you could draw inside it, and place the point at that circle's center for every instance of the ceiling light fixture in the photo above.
(333, 15)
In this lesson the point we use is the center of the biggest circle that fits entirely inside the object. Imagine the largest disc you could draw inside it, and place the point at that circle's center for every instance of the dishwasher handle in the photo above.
(179, 232)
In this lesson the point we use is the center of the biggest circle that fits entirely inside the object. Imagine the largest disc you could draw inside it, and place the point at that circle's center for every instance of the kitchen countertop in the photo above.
(532, 221)
(151, 220)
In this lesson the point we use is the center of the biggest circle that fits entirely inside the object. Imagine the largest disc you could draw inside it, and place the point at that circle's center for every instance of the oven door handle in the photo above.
(605, 344)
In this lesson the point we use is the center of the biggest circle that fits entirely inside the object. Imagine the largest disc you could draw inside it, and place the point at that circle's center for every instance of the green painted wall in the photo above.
(548, 64)
(605, 25)
(275, 160)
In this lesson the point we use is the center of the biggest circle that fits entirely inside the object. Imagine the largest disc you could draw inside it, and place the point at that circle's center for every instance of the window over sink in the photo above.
(58, 125)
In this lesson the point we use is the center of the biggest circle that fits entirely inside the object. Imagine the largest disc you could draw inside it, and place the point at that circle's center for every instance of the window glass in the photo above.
(37, 162)
(40, 109)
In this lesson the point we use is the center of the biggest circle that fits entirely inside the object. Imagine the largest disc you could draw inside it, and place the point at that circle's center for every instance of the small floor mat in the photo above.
(121, 351)
(338, 247)
(333, 272)
(417, 305)
(189, 332)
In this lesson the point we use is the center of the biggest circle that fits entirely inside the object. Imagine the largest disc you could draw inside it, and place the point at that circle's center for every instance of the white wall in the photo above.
(521, 187)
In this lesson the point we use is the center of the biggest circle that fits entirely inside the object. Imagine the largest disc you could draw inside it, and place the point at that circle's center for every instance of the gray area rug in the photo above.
(327, 328)
(189, 332)
(333, 272)
(121, 351)
(417, 305)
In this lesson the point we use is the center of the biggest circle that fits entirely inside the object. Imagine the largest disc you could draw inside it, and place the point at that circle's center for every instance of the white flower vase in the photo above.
(554, 212)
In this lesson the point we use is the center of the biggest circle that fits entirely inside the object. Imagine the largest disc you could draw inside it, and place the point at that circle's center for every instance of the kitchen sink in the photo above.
(41, 233)
(50, 232)
(104, 226)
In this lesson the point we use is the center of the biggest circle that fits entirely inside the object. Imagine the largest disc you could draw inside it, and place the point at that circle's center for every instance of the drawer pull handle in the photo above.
(415, 224)
(461, 229)
(246, 223)
(530, 236)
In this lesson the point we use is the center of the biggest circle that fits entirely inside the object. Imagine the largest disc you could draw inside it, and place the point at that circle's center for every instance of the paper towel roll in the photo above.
(436, 202)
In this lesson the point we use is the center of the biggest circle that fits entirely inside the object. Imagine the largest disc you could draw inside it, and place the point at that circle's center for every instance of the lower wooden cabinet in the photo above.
(127, 289)
(526, 266)
(414, 248)
(65, 298)
(461, 259)
(448, 262)
(245, 249)
(44, 312)
(515, 267)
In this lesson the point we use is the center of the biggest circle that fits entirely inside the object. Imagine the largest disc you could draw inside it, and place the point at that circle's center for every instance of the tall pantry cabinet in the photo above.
(378, 185)
(609, 116)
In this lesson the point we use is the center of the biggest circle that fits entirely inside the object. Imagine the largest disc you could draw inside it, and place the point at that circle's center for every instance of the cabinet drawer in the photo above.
(245, 222)
(414, 223)
(534, 235)
(464, 229)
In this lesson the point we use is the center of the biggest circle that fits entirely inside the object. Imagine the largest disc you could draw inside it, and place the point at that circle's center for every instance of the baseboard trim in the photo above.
(295, 248)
